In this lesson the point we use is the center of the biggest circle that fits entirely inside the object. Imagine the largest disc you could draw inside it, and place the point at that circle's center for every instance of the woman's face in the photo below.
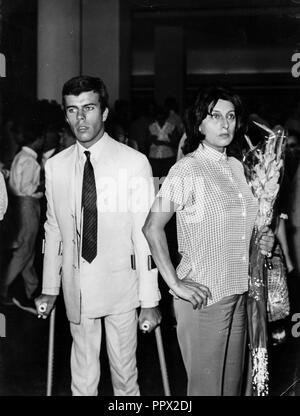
(218, 127)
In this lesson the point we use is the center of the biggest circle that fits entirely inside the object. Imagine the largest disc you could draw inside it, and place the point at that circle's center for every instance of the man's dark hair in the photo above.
(85, 83)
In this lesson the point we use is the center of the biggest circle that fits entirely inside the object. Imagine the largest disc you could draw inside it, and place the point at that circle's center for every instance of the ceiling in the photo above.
(219, 23)
(226, 5)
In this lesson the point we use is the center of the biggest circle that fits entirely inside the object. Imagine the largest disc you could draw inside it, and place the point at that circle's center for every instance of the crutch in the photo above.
(161, 356)
(42, 309)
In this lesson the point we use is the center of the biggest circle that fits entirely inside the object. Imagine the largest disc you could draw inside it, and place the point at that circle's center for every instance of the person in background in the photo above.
(139, 126)
(294, 220)
(51, 146)
(171, 105)
(281, 260)
(118, 123)
(163, 139)
(184, 144)
(290, 197)
(215, 212)
(121, 137)
(51, 143)
(11, 141)
(282, 266)
(24, 181)
(67, 138)
(3, 197)
(292, 157)
(281, 209)
(98, 193)
(3, 208)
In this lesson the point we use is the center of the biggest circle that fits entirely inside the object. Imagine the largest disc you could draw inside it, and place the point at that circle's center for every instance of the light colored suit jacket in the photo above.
(125, 194)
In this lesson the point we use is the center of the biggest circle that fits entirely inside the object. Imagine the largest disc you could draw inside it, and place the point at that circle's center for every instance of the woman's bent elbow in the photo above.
(146, 230)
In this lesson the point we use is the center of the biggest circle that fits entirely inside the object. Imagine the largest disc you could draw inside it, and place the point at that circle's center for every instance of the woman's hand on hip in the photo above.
(193, 292)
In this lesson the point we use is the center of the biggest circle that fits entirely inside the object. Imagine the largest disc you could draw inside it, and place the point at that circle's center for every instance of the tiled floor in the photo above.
(23, 357)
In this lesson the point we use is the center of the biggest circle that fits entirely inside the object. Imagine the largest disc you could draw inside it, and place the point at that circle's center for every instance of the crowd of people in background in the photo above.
(29, 137)
(158, 130)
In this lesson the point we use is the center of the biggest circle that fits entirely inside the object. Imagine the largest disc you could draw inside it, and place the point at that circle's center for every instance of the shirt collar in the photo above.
(30, 151)
(211, 153)
(95, 150)
(48, 154)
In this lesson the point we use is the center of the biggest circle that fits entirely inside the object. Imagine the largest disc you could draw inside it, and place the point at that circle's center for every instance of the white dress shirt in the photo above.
(24, 176)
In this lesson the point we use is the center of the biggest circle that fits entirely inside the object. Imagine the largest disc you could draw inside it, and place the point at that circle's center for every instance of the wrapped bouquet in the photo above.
(263, 168)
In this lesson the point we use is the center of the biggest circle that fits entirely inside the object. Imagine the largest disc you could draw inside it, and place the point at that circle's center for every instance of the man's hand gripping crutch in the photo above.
(44, 305)
(147, 326)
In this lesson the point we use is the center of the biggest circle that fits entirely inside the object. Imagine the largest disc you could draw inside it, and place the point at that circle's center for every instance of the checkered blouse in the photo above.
(215, 219)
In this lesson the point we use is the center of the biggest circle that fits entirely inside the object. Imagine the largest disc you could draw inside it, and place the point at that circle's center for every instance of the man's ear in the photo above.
(105, 114)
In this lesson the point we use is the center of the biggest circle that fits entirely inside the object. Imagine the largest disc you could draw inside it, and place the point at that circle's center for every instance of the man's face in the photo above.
(85, 118)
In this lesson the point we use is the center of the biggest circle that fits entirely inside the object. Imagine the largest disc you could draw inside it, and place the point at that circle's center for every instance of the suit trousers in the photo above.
(22, 260)
(212, 342)
(121, 344)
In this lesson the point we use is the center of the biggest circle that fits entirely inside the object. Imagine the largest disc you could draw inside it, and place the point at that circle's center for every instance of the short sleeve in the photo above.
(178, 184)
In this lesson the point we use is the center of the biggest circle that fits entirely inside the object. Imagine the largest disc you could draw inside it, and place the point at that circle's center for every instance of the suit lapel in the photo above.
(70, 166)
(74, 196)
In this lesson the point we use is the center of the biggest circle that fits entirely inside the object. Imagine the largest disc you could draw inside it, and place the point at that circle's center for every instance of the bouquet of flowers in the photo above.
(263, 168)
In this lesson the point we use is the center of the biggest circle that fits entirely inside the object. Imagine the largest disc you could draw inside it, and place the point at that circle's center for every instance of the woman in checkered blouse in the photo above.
(215, 212)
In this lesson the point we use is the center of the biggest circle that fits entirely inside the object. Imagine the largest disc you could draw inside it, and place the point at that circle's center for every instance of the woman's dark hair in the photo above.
(85, 83)
(204, 103)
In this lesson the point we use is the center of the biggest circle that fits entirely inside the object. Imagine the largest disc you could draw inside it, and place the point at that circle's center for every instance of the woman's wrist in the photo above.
(174, 284)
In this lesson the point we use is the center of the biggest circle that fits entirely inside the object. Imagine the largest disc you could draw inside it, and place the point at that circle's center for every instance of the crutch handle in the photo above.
(145, 326)
(43, 307)
(41, 310)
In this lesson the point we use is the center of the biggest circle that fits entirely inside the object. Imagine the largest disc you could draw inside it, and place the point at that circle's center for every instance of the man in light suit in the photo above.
(118, 280)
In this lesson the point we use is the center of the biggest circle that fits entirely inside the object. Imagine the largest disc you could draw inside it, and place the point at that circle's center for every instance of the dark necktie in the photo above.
(89, 206)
